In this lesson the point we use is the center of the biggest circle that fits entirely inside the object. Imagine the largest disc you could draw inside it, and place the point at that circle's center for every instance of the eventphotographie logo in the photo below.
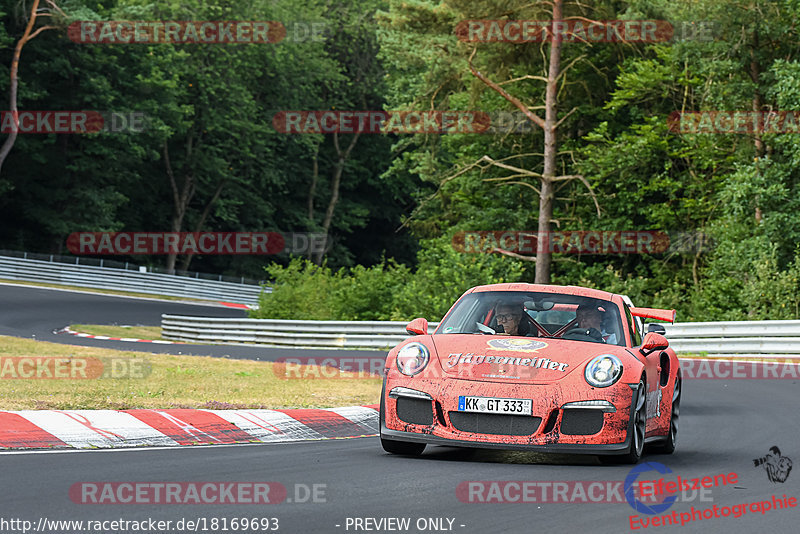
(668, 492)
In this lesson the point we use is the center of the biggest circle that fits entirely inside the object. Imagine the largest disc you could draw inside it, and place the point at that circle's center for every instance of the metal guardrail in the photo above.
(736, 337)
(97, 277)
(286, 333)
(746, 337)
(126, 265)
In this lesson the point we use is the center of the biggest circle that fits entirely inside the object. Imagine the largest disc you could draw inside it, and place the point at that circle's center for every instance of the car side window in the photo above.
(636, 337)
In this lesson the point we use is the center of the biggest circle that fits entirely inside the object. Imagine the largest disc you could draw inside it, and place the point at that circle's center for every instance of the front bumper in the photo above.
(613, 437)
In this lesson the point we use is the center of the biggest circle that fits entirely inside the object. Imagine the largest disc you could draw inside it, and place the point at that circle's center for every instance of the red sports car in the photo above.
(535, 367)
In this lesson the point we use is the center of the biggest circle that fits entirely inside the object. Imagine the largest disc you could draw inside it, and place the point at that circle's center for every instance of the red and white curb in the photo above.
(67, 330)
(238, 305)
(107, 429)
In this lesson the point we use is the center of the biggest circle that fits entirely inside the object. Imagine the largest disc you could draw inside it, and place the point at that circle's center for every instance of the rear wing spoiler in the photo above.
(654, 313)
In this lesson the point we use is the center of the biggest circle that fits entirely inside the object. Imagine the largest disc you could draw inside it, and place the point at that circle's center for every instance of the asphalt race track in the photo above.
(724, 426)
(37, 312)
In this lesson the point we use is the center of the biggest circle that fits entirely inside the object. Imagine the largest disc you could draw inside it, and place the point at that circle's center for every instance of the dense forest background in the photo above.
(211, 160)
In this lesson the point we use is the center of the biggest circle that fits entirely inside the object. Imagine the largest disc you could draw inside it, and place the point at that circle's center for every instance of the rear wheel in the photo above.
(404, 448)
(639, 416)
(668, 445)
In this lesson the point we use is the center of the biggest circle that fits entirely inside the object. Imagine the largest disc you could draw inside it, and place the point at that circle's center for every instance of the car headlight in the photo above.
(412, 358)
(603, 370)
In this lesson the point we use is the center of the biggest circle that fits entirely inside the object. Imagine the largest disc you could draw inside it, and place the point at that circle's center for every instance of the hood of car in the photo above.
(517, 359)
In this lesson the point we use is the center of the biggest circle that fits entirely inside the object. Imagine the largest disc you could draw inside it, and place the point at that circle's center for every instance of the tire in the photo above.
(403, 448)
(668, 445)
(639, 416)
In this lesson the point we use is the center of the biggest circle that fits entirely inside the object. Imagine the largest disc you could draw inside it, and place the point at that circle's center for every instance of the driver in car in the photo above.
(509, 316)
(591, 319)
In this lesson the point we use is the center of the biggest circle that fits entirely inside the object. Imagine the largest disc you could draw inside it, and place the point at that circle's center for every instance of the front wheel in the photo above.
(639, 416)
(404, 448)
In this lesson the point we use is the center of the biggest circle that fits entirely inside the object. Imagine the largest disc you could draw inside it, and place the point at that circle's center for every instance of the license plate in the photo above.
(493, 405)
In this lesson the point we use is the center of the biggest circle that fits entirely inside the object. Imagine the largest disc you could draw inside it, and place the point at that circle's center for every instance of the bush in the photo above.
(444, 274)
(301, 290)
(743, 282)
(305, 291)
(387, 291)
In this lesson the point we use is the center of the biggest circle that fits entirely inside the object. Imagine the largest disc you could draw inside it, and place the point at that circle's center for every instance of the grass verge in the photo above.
(137, 332)
(161, 381)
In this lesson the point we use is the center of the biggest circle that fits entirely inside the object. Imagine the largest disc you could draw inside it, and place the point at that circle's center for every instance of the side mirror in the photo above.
(658, 328)
(417, 327)
(653, 342)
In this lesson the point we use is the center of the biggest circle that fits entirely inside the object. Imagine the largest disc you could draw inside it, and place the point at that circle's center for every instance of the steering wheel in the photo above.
(583, 334)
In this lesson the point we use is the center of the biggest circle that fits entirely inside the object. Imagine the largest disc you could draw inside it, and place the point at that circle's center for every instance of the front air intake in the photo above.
(415, 411)
(486, 423)
(581, 422)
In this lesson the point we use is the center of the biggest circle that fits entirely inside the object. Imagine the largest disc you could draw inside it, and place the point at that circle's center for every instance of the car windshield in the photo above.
(532, 314)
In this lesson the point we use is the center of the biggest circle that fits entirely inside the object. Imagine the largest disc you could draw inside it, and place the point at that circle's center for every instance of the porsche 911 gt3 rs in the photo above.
(535, 367)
